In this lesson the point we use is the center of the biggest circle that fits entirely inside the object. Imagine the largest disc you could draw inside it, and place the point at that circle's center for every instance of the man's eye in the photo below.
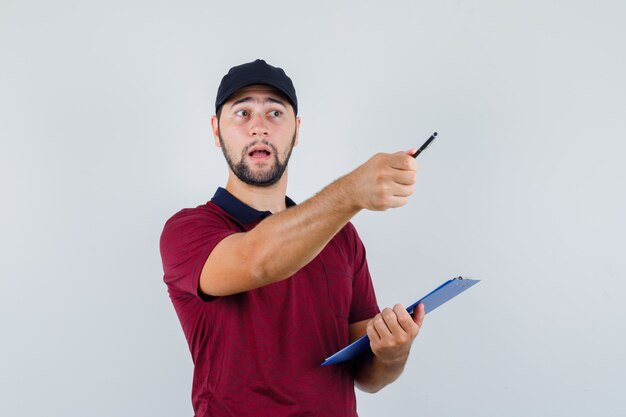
(275, 113)
(242, 113)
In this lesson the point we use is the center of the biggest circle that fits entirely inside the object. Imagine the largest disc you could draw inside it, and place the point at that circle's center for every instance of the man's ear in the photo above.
(216, 130)
(297, 130)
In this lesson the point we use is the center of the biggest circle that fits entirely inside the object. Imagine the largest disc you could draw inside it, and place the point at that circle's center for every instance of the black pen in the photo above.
(425, 145)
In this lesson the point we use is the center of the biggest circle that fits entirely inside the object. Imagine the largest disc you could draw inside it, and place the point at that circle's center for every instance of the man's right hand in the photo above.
(384, 181)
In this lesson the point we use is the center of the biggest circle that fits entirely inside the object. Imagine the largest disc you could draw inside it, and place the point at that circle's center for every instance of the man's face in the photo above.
(257, 131)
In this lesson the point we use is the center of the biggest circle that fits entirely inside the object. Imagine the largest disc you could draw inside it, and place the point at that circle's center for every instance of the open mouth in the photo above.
(259, 153)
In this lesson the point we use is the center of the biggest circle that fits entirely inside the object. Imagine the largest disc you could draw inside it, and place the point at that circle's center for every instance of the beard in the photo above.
(264, 178)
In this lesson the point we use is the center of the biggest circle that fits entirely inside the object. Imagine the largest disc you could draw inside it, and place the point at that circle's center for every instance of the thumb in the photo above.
(418, 314)
(411, 151)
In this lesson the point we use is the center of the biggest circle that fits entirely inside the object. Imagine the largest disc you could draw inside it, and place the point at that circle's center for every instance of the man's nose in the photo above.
(258, 125)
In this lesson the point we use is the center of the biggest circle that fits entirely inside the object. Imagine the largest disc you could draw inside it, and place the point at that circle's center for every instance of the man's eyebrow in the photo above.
(274, 100)
(268, 99)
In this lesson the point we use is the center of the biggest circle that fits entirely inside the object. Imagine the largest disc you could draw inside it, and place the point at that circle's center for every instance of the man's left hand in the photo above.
(392, 332)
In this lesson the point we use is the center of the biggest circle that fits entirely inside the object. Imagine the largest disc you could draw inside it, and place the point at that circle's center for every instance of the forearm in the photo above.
(371, 374)
(287, 241)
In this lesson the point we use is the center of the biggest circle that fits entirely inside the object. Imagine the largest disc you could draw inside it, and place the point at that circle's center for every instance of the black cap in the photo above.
(257, 72)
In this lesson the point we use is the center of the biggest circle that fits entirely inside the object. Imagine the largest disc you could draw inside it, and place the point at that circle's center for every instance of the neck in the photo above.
(270, 198)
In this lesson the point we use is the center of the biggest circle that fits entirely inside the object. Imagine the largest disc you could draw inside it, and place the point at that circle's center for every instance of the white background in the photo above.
(104, 126)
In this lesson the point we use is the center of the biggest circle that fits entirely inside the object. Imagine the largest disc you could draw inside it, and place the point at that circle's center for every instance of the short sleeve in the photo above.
(186, 242)
(364, 304)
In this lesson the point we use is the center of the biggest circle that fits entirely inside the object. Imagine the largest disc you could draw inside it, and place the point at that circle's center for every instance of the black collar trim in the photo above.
(239, 210)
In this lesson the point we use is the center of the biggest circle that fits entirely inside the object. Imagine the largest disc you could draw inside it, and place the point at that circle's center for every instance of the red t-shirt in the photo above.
(258, 353)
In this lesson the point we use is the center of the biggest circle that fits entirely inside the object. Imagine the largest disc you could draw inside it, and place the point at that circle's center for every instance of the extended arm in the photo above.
(285, 242)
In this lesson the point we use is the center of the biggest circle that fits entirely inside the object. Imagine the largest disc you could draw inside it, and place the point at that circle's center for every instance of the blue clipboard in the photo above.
(434, 299)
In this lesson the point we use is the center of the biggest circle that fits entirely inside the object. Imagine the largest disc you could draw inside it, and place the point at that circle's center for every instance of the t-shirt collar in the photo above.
(240, 210)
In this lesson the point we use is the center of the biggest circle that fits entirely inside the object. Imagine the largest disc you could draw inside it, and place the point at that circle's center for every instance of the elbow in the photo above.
(258, 273)
(263, 273)
(265, 267)
(260, 268)
(368, 388)
(255, 265)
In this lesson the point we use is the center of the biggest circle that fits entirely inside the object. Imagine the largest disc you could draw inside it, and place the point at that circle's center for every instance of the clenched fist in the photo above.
(384, 181)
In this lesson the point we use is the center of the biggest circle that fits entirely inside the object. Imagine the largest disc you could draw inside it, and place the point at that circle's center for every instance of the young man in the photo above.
(266, 289)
